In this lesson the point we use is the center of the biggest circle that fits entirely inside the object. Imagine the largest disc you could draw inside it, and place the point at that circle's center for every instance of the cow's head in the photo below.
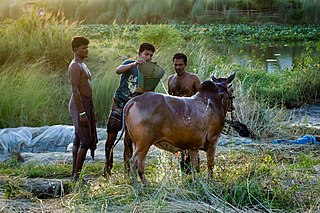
(225, 90)
(208, 86)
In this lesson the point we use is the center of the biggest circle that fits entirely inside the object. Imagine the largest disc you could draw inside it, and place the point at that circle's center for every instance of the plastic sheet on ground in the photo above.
(38, 139)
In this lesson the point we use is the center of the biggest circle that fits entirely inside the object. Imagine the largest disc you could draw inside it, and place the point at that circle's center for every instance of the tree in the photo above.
(311, 10)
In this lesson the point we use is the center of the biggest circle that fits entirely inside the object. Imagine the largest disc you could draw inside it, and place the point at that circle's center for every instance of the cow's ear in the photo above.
(214, 79)
(230, 78)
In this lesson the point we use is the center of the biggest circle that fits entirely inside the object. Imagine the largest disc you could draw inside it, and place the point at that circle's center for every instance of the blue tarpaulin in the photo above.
(307, 139)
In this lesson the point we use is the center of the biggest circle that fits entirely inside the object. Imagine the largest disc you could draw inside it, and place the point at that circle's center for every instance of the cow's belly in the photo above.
(174, 144)
(167, 146)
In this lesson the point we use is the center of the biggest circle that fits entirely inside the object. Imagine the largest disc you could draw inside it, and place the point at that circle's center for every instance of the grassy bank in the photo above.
(172, 11)
(246, 179)
(35, 90)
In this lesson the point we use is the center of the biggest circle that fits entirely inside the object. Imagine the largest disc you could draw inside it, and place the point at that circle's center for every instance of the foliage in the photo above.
(25, 102)
(287, 87)
(32, 38)
(171, 11)
(160, 35)
(240, 33)
(29, 96)
(248, 33)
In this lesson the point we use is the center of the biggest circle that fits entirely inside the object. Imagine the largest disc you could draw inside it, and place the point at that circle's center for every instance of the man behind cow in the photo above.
(81, 105)
(128, 88)
(183, 84)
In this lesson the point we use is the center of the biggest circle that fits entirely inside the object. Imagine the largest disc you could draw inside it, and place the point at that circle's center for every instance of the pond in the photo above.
(273, 56)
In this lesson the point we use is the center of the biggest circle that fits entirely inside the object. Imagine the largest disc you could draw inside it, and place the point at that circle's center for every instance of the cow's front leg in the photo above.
(211, 151)
(194, 156)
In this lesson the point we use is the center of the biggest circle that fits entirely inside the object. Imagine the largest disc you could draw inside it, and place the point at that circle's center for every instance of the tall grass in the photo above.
(160, 36)
(34, 58)
(31, 38)
(31, 97)
(258, 94)
(153, 11)
(290, 87)
(105, 80)
(264, 120)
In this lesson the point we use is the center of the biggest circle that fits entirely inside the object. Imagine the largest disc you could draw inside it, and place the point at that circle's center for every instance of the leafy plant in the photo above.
(160, 35)
(32, 38)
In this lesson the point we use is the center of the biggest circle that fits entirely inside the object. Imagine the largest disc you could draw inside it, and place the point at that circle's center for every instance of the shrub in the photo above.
(160, 35)
(32, 97)
(31, 37)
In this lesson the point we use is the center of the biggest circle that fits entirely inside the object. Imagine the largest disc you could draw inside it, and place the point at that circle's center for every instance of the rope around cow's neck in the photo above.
(231, 115)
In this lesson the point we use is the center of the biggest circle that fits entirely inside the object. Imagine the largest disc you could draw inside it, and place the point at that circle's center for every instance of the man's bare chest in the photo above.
(180, 88)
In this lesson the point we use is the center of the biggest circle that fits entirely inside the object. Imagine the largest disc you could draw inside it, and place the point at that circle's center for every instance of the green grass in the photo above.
(168, 11)
(31, 97)
(27, 102)
(35, 91)
(30, 38)
(265, 179)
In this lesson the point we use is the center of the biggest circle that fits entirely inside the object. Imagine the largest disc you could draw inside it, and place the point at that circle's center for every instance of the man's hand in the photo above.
(140, 61)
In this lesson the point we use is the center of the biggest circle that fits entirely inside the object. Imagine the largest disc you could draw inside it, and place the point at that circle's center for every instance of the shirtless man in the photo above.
(81, 106)
(183, 84)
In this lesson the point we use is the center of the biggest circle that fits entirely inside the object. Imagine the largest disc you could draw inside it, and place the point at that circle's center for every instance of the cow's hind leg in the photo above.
(138, 161)
(127, 154)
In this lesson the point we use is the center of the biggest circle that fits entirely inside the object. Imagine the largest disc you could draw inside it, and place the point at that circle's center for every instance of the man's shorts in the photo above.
(115, 119)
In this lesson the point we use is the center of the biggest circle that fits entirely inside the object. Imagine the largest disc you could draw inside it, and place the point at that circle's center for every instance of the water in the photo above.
(272, 56)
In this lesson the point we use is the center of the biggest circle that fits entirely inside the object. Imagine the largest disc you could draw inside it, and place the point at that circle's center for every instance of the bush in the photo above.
(31, 97)
(160, 35)
(31, 37)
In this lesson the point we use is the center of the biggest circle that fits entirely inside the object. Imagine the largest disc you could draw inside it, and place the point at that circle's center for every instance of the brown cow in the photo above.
(178, 123)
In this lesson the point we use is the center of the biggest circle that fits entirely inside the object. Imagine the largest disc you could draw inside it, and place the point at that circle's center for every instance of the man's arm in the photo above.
(75, 75)
(123, 68)
(75, 71)
(196, 82)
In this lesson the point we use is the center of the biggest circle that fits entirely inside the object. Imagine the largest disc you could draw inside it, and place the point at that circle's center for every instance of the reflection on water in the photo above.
(272, 56)
(281, 57)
